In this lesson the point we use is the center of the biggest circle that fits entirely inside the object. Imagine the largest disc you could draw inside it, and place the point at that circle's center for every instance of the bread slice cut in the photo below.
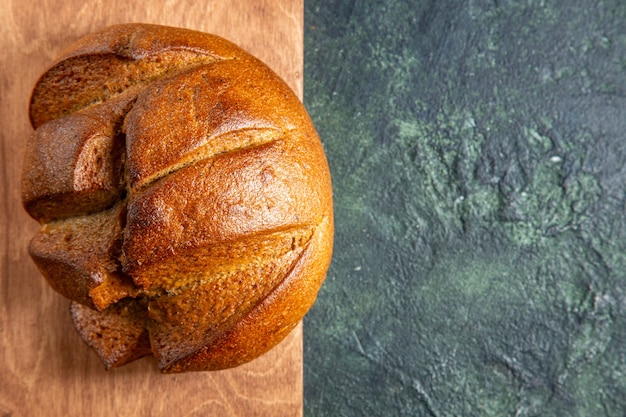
(118, 334)
(75, 165)
(79, 257)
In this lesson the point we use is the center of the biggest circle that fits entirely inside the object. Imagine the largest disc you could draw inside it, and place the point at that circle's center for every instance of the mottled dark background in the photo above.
(478, 155)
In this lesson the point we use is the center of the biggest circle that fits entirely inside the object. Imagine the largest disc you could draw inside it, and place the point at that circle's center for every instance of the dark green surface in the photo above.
(478, 154)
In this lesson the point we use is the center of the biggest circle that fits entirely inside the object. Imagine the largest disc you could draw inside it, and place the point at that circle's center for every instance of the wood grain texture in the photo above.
(45, 369)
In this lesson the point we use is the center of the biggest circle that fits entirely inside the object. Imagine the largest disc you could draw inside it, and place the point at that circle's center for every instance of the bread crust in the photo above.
(182, 190)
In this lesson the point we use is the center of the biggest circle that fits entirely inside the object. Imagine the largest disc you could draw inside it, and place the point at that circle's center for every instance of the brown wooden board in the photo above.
(45, 369)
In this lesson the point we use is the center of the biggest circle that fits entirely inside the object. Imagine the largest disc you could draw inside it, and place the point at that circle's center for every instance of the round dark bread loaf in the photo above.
(184, 196)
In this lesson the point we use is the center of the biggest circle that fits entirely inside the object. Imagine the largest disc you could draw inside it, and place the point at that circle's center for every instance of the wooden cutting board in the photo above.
(45, 369)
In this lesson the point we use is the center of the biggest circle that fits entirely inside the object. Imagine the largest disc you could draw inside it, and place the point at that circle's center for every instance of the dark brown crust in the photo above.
(222, 182)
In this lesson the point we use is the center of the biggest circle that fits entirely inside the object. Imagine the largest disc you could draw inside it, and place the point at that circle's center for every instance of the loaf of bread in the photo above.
(184, 197)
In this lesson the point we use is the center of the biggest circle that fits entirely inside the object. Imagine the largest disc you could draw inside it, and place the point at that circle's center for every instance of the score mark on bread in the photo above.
(184, 197)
